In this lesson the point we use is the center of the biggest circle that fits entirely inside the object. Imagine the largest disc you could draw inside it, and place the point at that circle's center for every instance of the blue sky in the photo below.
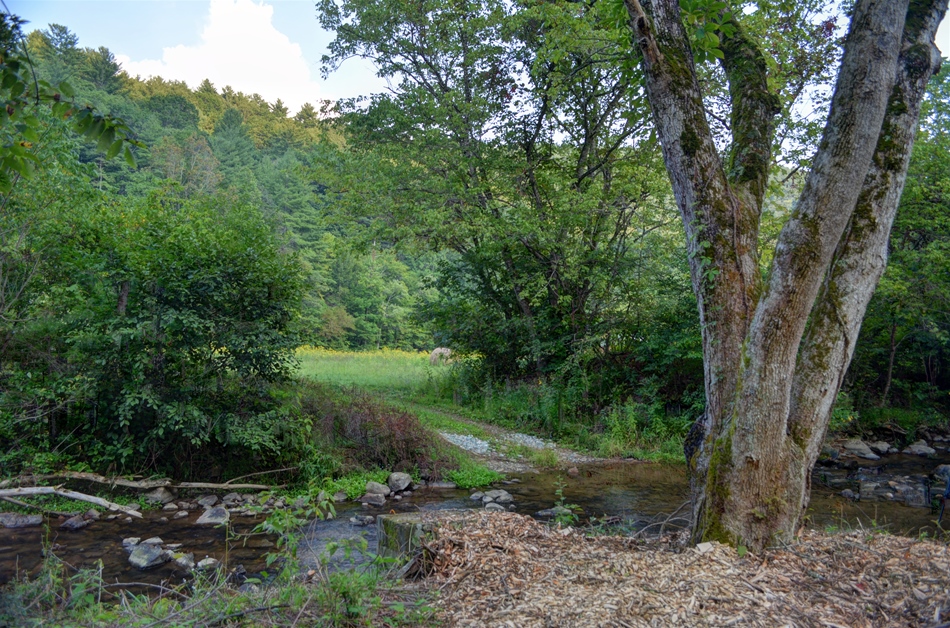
(269, 47)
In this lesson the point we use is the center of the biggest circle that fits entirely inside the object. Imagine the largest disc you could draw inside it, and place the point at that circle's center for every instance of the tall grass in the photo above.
(386, 370)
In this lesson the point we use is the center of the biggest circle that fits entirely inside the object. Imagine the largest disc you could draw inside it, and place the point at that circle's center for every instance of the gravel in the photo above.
(530, 441)
(468, 443)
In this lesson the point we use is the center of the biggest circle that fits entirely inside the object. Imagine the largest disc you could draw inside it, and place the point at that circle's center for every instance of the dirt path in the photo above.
(504, 450)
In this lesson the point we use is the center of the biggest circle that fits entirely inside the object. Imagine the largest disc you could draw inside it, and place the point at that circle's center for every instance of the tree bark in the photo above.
(775, 355)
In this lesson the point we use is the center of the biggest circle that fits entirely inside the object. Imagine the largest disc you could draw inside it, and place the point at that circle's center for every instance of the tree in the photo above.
(776, 349)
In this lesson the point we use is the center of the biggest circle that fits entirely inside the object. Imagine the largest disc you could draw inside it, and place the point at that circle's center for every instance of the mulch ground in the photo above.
(504, 569)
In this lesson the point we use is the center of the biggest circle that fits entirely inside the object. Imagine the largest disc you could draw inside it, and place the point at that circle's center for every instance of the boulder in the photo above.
(376, 487)
(920, 448)
(880, 447)
(75, 523)
(860, 449)
(398, 481)
(498, 496)
(494, 506)
(160, 495)
(146, 556)
(17, 520)
(130, 542)
(92, 514)
(373, 499)
(208, 501)
(400, 534)
(477, 496)
(215, 516)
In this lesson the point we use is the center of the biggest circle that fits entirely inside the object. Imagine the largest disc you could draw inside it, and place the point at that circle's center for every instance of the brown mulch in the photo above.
(504, 569)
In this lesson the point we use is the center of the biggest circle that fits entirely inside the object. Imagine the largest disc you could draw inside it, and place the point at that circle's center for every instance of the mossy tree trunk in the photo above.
(776, 351)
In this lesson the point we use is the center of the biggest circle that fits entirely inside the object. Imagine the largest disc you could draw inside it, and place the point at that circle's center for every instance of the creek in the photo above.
(637, 493)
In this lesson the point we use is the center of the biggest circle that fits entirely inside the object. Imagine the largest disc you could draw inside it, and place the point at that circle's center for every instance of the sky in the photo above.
(269, 47)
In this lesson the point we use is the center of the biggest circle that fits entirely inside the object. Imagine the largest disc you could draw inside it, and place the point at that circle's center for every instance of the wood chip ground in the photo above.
(504, 569)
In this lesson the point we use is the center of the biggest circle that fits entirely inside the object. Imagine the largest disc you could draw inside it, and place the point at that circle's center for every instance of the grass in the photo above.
(389, 370)
(406, 379)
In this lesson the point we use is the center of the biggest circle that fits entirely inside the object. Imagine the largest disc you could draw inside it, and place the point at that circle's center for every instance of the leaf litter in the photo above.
(505, 569)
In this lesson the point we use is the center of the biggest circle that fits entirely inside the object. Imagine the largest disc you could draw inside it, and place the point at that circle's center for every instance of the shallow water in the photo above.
(636, 492)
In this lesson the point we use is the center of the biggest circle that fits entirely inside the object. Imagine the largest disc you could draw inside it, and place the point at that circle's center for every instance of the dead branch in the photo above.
(139, 484)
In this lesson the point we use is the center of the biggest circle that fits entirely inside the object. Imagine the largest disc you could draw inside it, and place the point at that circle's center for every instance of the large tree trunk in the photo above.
(775, 354)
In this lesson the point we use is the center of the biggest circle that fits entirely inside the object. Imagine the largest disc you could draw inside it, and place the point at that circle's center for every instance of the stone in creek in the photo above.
(208, 501)
(155, 540)
(477, 496)
(445, 485)
(181, 514)
(494, 506)
(208, 563)
(185, 561)
(231, 498)
(146, 556)
(942, 471)
(499, 496)
(215, 516)
(399, 481)
(92, 514)
(339, 496)
(75, 523)
(920, 448)
(17, 520)
(374, 499)
(376, 487)
(161, 495)
(130, 542)
(860, 449)
(880, 447)
(170, 506)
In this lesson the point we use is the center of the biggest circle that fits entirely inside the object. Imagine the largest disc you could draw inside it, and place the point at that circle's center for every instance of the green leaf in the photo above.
(114, 149)
(129, 157)
(106, 139)
(67, 90)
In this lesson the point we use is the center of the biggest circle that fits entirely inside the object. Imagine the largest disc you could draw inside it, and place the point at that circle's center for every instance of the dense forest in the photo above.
(507, 200)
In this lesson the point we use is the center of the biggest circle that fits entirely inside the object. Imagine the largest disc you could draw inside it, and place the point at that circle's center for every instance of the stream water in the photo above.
(638, 493)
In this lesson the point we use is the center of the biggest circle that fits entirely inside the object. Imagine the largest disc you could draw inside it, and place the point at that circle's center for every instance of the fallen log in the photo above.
(55, 490)
(139, 484)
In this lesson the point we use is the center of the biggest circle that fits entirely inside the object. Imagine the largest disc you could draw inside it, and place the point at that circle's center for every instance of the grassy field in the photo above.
(406, 380)
(387, 370)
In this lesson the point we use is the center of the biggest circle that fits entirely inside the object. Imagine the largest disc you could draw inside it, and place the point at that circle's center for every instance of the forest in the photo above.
(170, 256)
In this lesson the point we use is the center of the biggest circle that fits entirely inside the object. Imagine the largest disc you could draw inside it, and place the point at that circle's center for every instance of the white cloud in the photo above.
(239, 47)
